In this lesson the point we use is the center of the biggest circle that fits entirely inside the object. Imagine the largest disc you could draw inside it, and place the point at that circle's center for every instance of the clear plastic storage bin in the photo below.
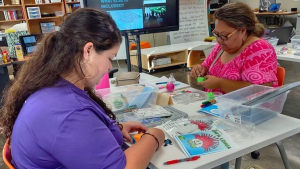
(33, 12)
(126, 97)
(230, 105)
(296, 42)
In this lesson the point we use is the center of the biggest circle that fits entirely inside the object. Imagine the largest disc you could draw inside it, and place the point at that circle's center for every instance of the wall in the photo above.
(252, 3)
(157, 39)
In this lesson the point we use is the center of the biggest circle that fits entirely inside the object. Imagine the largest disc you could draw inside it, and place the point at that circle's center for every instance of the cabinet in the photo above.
(20, 13)
(178, 53)
(177, 58)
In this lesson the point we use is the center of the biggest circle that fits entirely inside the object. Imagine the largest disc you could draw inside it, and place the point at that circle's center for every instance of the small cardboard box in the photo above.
(127, 78)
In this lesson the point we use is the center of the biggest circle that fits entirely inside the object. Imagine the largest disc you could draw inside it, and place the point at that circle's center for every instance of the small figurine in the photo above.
(5, 57)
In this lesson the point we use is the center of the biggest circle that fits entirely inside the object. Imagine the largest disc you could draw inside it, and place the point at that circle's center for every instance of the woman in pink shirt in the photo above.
(241, 57)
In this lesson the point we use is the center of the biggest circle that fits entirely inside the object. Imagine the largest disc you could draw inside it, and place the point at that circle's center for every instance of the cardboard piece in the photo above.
(127, 78)
(163, 99)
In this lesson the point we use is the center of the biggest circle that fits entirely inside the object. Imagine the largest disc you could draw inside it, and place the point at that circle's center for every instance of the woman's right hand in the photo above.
(158, 133)
(198, 70)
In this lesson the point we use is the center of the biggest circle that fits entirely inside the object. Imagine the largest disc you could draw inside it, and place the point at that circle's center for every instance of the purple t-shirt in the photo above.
(62, 127)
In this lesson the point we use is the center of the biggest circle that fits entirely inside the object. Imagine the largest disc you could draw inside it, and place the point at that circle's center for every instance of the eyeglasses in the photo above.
(224, 38)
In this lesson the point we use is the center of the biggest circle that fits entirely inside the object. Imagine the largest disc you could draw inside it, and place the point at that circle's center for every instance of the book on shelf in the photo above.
(11, 15)
(15, 2)
(72, 7)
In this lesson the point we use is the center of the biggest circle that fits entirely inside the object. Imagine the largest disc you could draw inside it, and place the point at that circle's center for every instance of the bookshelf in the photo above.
(33, 21)
(72, 5)
(10, 13)
(18, 13)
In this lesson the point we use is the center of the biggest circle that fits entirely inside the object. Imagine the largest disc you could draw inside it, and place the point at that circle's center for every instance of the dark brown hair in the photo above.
(240, 16)
(59, 54)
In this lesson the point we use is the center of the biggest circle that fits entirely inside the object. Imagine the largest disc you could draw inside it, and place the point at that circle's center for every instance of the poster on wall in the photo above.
(193, 22)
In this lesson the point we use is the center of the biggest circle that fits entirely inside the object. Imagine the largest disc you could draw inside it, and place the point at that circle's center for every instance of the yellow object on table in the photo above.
(19, 52)
(209, 39)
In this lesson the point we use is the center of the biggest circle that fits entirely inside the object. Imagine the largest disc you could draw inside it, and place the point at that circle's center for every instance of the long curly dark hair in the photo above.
(59, 54)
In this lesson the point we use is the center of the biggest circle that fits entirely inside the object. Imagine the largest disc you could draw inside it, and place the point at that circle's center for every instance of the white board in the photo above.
(122, 51)
(193, 22)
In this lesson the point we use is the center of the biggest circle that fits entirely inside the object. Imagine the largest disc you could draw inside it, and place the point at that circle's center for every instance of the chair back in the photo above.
(280, 75)
(104, 83)
(6, 155)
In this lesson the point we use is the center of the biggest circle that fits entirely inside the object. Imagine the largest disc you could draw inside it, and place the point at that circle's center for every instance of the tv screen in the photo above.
(28, 43)
(140, 16)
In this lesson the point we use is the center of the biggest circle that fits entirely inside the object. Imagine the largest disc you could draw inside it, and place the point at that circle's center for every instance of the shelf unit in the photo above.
(54, 3)
(69, 4)
(33, 25)
(178, 57)
(18, 20)
(9, 7)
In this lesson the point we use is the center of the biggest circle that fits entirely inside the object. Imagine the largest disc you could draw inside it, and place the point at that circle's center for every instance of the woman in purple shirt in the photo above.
(53, 117)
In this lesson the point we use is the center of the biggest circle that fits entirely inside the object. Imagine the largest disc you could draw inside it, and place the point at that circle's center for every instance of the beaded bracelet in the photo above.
(153, 137)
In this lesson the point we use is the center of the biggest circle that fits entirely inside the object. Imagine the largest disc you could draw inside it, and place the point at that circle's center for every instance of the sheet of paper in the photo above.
(155, 111)
(154, 84)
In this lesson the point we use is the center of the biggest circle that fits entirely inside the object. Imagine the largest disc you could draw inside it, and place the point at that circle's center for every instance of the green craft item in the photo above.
(210, 96)
(201, 79)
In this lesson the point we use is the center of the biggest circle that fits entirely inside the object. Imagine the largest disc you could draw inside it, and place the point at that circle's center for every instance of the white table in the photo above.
(288, 57)
(174, 48)
(269, 132)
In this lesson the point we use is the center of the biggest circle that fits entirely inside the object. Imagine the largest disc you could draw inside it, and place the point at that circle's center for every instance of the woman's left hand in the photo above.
(211, 82)
(129, 127)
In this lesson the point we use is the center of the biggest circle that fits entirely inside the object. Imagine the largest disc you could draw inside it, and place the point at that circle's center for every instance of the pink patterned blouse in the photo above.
(257, 64)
